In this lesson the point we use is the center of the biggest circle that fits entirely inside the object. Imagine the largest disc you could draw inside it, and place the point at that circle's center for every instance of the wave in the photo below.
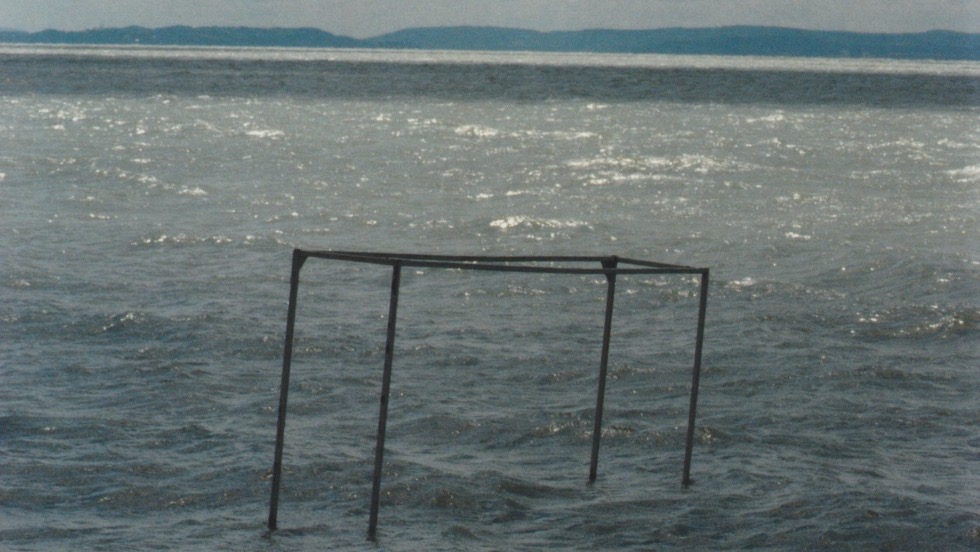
(477, 131)
(966, 174)
(265, 133)
(523, 221)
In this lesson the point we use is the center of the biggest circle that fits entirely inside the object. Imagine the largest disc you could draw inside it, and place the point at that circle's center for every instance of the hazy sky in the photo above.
(364, 18)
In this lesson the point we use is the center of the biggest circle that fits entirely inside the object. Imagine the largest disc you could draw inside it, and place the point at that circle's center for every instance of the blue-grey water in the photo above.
(150, 201)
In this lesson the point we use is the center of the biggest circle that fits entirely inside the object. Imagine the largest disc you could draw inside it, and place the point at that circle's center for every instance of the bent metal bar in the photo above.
(609, 266)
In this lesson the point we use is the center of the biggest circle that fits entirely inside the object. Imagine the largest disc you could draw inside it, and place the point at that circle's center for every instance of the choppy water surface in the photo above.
(149, 205)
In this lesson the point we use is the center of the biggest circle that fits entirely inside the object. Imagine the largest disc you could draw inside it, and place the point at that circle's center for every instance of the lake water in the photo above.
(150, 200)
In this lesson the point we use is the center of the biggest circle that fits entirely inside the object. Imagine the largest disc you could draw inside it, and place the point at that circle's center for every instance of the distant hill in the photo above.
(758, 41)
(189, 36)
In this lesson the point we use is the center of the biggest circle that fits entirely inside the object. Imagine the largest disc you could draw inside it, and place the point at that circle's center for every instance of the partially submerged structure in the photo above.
(609, 266)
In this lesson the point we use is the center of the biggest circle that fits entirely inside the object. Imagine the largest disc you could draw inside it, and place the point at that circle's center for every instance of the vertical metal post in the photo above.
(385, 391)
(695, 379)
(603, 367)
(287, 358)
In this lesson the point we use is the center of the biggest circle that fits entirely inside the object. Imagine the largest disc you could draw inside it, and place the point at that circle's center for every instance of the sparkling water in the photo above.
(150, 200)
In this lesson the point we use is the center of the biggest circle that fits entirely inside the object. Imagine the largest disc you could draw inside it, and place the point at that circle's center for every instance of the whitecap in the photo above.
(516, 221)
(698, 163)
(265, 133)
(966, 174)
(198, 192)
(776, 117)
(795, 236)
(477, 131)
(743, 283)
(621, 162)
(570, 135)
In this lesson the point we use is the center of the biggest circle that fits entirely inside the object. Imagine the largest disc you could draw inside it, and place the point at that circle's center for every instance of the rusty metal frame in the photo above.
(609, 266)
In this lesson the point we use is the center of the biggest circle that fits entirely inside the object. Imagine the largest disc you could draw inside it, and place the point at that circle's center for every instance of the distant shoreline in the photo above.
(665, 62)
(737, 41)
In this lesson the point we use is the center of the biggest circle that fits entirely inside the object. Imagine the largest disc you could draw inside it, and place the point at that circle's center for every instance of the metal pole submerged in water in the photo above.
(603, 367)
(287, 358)
(695, 378)
(383, 409)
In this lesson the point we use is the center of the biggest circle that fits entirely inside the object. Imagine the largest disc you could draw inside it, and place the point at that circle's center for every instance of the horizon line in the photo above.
(500, 27)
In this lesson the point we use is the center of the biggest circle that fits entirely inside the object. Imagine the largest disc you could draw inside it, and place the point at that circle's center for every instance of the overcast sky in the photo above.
(364, 18)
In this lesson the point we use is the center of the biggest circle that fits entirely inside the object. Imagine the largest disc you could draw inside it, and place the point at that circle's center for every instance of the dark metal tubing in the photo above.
(387, 258)
(383, 409)
(287, 358)
(695, 378)
(454, 258)
(609, 268)
(603, 368)
(493, 263)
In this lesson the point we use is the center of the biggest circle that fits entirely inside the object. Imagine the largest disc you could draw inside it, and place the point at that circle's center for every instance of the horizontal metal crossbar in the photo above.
(516, 263)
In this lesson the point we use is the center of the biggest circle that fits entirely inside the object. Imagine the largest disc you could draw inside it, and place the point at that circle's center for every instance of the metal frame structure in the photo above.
(609, 266)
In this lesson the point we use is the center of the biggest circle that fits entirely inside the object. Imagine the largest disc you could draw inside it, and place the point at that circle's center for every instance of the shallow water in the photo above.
(147, 233)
